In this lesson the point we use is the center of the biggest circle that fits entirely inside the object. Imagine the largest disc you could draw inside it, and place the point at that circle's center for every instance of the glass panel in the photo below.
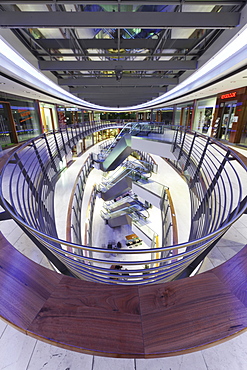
(229, 120)
(203, 116)
(223, 123)
(184, 114)
(243, 139)
(5, 138)
(26, 119)
(177, 116)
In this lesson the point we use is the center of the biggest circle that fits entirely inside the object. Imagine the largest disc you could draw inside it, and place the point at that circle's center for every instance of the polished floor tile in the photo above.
(105, 363)
(3, 327)
(46, 356)
(229, 355)
(192, 361)
(15, 349)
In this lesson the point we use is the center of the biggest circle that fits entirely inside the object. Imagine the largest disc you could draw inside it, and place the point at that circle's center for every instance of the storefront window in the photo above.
(223, 127)
(50, 116)
(61, 116)
(183, 115)
(243, 139)
(86, 116)
(26, 119)
(203, 118)
(167, 114)
(177, 116)
(5, 130)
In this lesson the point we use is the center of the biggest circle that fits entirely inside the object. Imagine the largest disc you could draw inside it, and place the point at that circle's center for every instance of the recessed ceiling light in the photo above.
(2, 83)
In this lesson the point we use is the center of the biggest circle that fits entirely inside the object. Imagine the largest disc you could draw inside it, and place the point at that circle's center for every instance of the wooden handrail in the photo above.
(149, 321)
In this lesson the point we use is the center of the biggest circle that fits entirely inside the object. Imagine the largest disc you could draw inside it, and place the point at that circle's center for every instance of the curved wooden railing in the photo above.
(218, 199)
(149, 321)
(124, 321)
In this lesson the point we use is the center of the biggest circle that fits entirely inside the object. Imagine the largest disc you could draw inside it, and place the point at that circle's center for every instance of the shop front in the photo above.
(19, 120)
(146, 116)
(184, 114)
(49, 116)
(7, 126)
(73, 115)
(203, 117)
(229, 122)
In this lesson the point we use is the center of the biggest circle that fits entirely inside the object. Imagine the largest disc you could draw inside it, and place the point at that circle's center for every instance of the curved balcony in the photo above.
(125, 321)
(217, 200)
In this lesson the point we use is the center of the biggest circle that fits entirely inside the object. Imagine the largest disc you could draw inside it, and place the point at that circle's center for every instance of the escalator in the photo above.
(119, 217)
(118, 154)
(121, 181)
(120, 148)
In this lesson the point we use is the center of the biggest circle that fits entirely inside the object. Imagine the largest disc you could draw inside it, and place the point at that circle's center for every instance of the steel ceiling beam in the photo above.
(145, 20)
(118, 65)
(125, 2)
(115, 103)
(112, 56)
(112, 43)
(111, 96)
(111, 81)
(118, 90)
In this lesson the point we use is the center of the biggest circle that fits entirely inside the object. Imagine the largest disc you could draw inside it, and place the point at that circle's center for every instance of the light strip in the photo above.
(235, 51)
(15, 63)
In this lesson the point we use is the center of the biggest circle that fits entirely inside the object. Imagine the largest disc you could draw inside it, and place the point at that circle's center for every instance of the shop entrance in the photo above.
(186, 116)
(7, 125)
(226, 119)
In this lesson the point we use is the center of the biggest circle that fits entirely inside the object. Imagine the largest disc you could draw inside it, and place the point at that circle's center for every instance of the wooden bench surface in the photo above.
(123, 321)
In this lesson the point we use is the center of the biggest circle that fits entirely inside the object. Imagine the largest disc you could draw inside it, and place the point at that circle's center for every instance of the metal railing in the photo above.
(77, 200)
(215, 176)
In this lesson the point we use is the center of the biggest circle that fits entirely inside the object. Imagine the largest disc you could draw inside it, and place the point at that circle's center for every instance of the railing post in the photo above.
(58, 150)
(48, 182)
(64, 146)
(190, 151)
(50, 154)
(199, 164)
(181, 148)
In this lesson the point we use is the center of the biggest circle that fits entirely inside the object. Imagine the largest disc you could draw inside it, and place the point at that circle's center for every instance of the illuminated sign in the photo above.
(230, 95)
(72, 109)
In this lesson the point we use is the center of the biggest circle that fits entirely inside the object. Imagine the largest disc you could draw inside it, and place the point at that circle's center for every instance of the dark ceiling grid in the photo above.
(117, 78)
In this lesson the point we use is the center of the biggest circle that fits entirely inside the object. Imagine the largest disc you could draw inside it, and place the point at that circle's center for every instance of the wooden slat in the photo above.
(188, 314)
(100, 319)
(123, 321)
(25, 286)
(233, 274)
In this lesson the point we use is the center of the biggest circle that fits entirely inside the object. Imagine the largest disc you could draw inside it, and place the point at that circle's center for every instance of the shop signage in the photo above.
(229, 95)
(25, 115)
(72, 109)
